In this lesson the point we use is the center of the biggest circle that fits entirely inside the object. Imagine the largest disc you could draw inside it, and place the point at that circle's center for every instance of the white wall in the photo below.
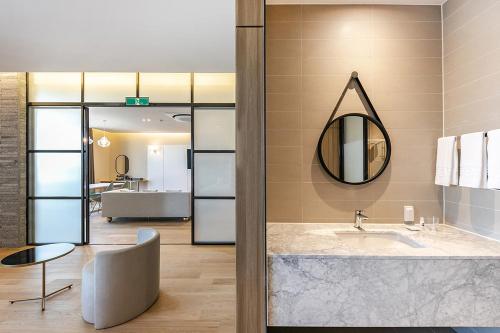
(117, 35)
(135, 146)
(167, 168)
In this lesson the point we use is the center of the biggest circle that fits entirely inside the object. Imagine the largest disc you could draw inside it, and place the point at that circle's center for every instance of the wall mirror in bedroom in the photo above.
(122, 165)
(354, 148)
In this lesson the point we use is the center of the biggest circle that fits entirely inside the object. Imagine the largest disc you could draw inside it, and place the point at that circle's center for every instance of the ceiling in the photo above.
(357, 2)
(127, 35)
(117, 35)
(138, 119)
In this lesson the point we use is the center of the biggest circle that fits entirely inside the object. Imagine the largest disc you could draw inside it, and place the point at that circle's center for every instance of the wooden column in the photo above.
(250, 168)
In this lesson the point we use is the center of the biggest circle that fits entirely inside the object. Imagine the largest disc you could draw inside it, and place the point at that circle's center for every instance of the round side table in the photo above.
(39, 255)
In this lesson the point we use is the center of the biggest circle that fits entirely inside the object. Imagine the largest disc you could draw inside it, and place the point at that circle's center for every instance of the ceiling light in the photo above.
(104, 141)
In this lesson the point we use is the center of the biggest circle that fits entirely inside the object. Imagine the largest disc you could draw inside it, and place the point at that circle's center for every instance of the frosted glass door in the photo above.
(56, 199)
(56, 220)
(56, 174)
(214, 175)
(215, 220)
(214, 129)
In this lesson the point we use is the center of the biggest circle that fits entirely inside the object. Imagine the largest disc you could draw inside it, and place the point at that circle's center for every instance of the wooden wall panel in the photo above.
(250, 182)
(250, 171)
(249, 13)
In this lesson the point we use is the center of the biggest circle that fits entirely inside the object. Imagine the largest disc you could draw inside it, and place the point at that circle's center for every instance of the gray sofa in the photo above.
(124, 203)
(119, 285)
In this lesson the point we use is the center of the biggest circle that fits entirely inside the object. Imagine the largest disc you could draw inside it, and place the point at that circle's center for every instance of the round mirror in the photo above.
(121, 165)
(354, 148)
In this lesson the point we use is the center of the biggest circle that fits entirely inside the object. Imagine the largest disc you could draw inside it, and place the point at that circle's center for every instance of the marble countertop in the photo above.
(319, 240)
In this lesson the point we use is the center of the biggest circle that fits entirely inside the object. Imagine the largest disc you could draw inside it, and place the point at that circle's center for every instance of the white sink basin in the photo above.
(370, 239)
(376, 239)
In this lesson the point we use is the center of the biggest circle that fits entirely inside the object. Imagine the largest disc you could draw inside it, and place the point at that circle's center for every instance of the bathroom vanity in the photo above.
(322, 275)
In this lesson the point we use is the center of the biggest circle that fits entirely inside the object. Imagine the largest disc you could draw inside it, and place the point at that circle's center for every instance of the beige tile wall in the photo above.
(311, 51)
(471, 41)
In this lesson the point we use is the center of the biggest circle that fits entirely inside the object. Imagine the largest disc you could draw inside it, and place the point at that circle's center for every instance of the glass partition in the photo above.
(56, 150)
(215, 129)
(214, 175)
(55, 87)
(114, 87)
(214, 87)
(56, 128)
(56, 220)
(165, 87)
(109, 87)
(55, 174)
(215, 220)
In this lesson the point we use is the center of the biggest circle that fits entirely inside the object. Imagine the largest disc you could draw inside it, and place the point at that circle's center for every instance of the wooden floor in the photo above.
(197, 293)
(124, 230)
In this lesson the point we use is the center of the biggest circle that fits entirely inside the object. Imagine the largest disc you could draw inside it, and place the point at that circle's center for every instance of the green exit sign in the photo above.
(130, 101)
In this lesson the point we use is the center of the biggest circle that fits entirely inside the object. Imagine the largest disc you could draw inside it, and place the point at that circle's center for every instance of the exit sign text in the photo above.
(129, 101)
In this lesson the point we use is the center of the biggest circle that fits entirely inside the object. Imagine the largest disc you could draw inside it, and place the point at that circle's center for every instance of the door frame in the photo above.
(31, 152)
(85, 106)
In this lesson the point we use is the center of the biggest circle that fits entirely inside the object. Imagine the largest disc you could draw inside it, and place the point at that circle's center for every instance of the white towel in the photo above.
(447, 161)
(494, 159)
(473, 160)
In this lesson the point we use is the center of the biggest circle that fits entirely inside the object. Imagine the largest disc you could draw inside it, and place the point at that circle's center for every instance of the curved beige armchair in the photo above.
(119, 285)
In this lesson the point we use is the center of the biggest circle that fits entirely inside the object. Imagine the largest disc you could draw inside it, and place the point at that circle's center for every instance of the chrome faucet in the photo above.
(359, 217)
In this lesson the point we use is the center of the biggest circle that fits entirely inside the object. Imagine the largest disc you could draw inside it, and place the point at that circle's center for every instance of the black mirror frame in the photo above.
(384, 133)
(355, 83)
(126, 165)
